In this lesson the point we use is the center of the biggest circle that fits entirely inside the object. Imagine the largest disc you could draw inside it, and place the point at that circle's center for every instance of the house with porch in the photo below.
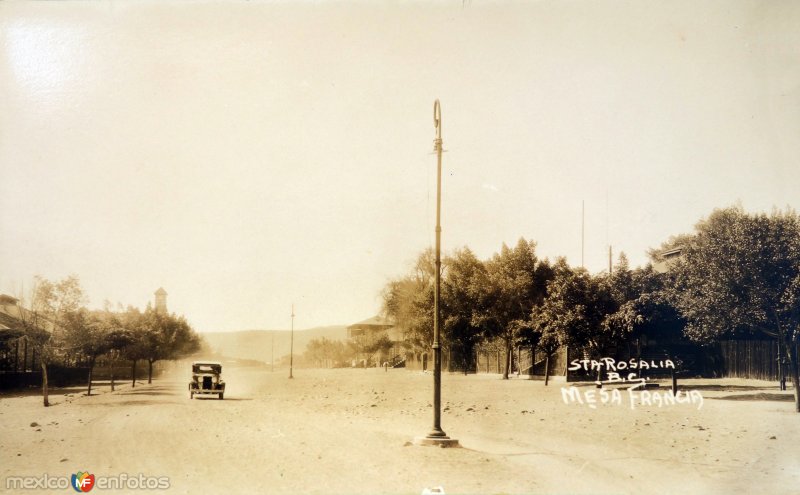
(367, 334)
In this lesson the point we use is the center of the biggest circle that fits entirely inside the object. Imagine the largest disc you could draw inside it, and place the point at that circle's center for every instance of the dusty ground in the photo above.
(347, 431)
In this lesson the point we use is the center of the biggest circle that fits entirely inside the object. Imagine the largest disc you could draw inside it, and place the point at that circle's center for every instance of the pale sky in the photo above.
(247, 155)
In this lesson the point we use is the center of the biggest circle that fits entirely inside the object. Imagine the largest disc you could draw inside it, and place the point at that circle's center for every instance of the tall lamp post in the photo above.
(291, 346)
(437, 436)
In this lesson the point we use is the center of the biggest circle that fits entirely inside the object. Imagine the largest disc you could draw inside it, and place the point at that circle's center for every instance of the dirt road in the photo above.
(348, 431)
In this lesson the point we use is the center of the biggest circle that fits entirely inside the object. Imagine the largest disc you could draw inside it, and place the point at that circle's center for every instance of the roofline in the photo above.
(674, 250)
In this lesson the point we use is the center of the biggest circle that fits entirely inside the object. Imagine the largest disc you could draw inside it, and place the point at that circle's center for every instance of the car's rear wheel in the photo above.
(221, 395)
(191, 395)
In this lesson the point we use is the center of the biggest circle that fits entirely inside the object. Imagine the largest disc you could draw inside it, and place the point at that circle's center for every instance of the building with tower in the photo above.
(161, 301)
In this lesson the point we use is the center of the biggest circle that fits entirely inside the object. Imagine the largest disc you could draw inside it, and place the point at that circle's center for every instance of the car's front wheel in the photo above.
(221, 395)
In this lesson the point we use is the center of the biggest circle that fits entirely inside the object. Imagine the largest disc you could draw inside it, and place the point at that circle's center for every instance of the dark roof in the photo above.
(8, 321)
(10, 327)
(12, 319)
(375, 321)
(672, 252)
(6, 299)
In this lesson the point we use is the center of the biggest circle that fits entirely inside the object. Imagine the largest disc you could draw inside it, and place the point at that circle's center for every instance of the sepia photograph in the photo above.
(540, 247)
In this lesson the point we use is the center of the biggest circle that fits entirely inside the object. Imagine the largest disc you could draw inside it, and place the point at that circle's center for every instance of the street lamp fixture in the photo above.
(437, 436)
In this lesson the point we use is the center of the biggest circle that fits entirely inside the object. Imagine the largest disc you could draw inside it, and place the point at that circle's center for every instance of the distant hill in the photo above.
(257, 344)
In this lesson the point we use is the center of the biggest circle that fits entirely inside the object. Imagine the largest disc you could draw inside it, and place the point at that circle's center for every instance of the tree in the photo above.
(314, 351)
(548, 342)
(164, 337)
(465, 279)
(355, 348)
(740, 273)
(153, 336)
(119, 340)
(381, 346)
(50, 305)
(529, 334)
(545, 332)
(326, 353)
(408, 300)
(87, 333)
(136, 350)
(625, 290)
(643, 308)
(513, 288)
(575, 310)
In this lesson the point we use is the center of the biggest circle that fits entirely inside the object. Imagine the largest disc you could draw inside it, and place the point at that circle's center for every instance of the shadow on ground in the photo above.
(730, 388)
(133, 403)
(225, 400)
(761, 396)
(149, 391)
(53, 391)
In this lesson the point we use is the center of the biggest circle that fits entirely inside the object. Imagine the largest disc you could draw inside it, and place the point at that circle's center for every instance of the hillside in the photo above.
(257, 344)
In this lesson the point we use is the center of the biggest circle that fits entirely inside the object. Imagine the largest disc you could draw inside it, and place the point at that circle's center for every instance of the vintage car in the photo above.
(206, 379)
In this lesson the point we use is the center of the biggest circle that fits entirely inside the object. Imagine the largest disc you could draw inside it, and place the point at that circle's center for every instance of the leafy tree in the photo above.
(548, 342)
(314, 352)
(355, 348)
(575, 309)
(119, 340)
(381, 346)
(340, 353)
(133, 323)
(628, 292)
(622, 282)
(87, 333)
(465, 279)
(50, 305)
(544, 331)
(675, 241)
(164, 337)
(409, 302)
(642, 307)
(513, 288)
(529, 334)
(326, 352)
(151, 336)
(740, 273)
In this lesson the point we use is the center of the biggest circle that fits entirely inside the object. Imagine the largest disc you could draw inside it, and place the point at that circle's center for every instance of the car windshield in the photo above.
(206, 368)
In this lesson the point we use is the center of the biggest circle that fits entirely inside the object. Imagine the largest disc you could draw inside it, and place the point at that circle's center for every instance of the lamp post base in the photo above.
(443, 442)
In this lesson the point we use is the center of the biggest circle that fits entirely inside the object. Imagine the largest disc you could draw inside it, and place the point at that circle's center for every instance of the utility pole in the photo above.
(291, 346)
(437, 436)
(583, 215)
(609, 260)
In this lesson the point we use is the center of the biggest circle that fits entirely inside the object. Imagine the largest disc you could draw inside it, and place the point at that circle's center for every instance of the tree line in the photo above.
(328, 353)
(62, 331)
(737, 274)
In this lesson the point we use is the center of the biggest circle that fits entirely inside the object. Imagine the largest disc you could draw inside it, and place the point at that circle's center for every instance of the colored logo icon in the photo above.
(82, 482)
